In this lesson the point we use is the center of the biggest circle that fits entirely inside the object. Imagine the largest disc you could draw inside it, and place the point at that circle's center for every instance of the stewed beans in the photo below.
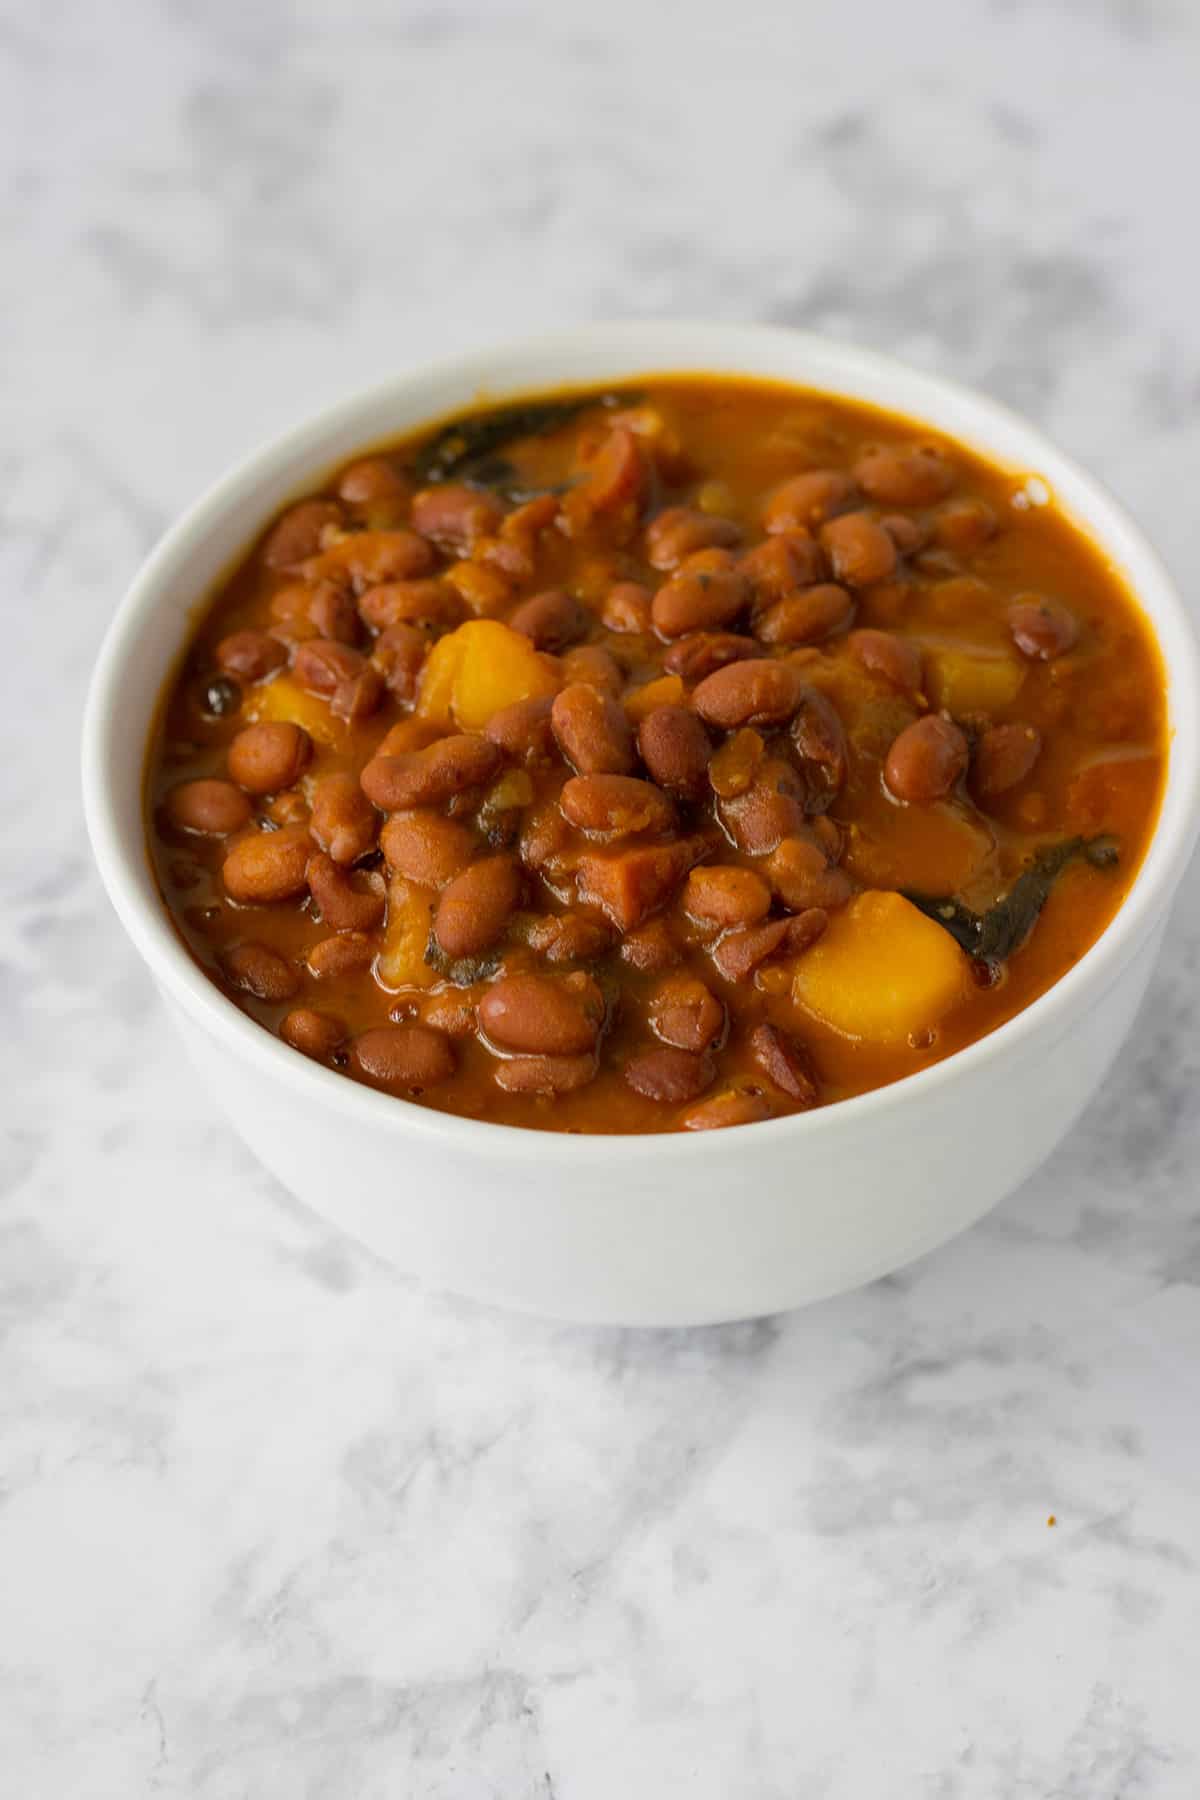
(656, 761)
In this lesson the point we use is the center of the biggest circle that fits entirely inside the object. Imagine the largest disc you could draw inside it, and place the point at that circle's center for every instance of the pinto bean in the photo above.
(430, 604)
(524, 731)
(614, 482)
(208, 807)
(476, 906)
(298, 534)
(726, 896)
(344, 822)
(269, 756)
(425, 847)
(799, 872)
(359, 696)
(820, 743)
(675, 748)
(808, 617)
(615, 805)
(926, 761)
(320, 666)
(333, 614)
(571, 937)
(908, 534)
(399, 654)
(669, 1075)
(346, 903)
(681, 530)
(738, 954)
(1041, 628)
(592, 731)
(1004, 756)
(267, 866)
(756, 692)
(783, 1061)
(453, 516)
(371, 480)
(365, 558)
(807, 499)
(403, 1058)
(545, 1074)
(427, 777)
(344, 953)
(768, 811)
(288, 808)
(859, 549)
(592, 665)
(250, 655)
(896, 659)
(965, 525)
(698, 654)
(317, 1034)
(551, 620)
(686, 1014)
(650, 947)
(781, 564)
(626, 607)
(260, 971)
(543, 1015)
(733, 1107)
(903, 475)
(699, 600)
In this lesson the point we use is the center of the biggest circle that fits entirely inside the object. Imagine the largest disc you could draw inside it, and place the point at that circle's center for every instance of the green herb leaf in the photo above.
(994, 935)
(465, 450)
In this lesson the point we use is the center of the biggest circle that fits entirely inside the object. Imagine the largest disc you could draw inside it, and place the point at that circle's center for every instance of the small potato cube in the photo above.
(668, 690)
(978, 680)
(474, 671)
(881, 971)
(282, 698)
(401, 962)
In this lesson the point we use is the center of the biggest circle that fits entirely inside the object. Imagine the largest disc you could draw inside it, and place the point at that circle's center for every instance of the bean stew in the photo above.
(656, 760)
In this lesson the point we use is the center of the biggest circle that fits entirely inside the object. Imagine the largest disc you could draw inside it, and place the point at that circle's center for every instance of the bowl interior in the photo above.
(154, 623)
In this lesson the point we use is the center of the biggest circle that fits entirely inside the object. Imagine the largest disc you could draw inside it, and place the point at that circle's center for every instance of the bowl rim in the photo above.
(607, 352)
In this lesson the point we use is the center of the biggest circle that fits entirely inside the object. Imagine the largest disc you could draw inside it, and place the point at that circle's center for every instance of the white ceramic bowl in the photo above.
(671, 1229)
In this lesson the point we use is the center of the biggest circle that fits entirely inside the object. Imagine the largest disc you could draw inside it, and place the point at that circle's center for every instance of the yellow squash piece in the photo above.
(401, 962)
(283, 698)
(971, 680)
(882, 971)
(666, 691)
(474, 671)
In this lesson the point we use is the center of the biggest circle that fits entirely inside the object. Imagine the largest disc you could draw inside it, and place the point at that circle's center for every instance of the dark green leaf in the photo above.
(466, 450)
(994, 935)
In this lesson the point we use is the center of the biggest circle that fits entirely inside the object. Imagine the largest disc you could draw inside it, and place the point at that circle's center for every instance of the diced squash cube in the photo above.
(629, 885)
(284, 698)
(474, 671)
(666, 691)
(401, 962)
(945, 848)
(881, 971)
(978, 679)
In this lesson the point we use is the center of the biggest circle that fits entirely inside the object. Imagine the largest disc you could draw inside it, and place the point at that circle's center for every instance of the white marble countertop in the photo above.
(273, 1524)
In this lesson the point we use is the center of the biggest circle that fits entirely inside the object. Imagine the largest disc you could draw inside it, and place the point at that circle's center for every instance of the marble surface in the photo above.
(273, 1524)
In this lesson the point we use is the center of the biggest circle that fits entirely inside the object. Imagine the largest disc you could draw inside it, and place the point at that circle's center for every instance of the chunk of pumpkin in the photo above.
(946, 848)
(401, 962)
(881, 971)
(284, 698)
(979, 679)
(666, 691)
(472, 672)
